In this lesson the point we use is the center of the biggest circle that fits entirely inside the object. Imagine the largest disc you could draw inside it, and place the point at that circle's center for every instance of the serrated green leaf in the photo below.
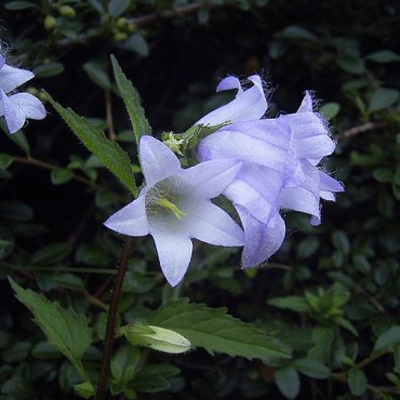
(132, 102)
(63, 328)
(216, 331)
(109, 153)
(357, 381)
(311, 368)
(388, 339)
(288, 381)
(383, 98)
(294, 303)
(61, 175)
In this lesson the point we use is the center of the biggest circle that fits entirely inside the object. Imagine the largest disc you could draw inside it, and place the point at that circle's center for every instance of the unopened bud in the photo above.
(121, 24)
(67, 12)
(156, 338)
(50, 23)
(85, 390)
(120, 36)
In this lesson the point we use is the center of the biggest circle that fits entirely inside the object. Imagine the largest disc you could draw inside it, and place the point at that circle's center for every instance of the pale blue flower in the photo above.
(17, 107)
(175, 207)
(279, 172)
(249, 104)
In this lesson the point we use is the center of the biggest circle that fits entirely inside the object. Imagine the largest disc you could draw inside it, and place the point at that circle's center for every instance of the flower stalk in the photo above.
(112, 315)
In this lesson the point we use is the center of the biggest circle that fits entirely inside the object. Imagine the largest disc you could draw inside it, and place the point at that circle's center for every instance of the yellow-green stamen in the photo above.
(163, 202)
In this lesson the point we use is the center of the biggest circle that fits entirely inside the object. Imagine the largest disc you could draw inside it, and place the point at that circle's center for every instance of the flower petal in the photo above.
(304, 198)
(157, 160)
(11, 77)
(130, 220)
(329, 185)
(210, 178)
(207, 222)
(2, 60)
(263, 142)
(174, 253)
(229, 83)
(248, 105)
(307, 103)
(17, 108)
(256, 188)
(261, 240)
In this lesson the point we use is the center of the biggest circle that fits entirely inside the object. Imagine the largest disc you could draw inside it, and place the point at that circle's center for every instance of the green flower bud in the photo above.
(67, 12)
(50, 23)
(120, 36)
(43, 97)
(85, 390)
(132, 28)
(121, 24)
(156, 338)
(32, 90)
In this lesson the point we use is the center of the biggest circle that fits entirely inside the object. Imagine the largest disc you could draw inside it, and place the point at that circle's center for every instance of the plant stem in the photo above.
(41, 164)
(112, 315)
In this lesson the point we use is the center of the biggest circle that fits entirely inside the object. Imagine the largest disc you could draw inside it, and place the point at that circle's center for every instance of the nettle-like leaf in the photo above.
(109, 153)
(131, 99)
(64, 329)
(216, 331)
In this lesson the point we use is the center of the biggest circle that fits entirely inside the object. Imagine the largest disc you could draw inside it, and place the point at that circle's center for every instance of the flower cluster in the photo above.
(16, 108)
(280, 159)
(261, 165)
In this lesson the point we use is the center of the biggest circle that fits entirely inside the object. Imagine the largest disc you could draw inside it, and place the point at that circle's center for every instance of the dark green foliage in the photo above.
(331, 294)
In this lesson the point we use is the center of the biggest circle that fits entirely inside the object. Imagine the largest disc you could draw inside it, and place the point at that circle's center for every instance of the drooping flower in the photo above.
(16, 108)
(279, 172)
(175, 207)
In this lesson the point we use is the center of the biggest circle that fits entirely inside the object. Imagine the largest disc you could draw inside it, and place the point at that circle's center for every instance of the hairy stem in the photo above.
(112, 315)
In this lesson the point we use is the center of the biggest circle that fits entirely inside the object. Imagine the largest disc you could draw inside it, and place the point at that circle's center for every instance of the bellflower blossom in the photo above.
(175, 207)
(278, 172)
(16, 108)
